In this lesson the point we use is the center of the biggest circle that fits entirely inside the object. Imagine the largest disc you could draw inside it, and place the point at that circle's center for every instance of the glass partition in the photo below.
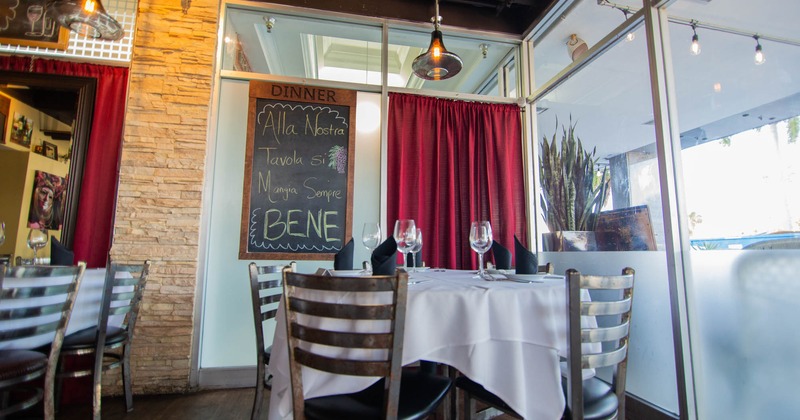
(613, 196)
(739, 127)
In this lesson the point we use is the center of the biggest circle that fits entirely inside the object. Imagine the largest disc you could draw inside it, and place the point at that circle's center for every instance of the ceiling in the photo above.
(513, 17)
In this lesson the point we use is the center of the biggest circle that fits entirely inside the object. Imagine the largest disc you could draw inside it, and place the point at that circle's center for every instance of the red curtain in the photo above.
(450, 163)
(92, 239)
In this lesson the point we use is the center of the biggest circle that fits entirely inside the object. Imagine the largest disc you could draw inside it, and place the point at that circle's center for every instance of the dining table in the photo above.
(85, 312)
(504, 331)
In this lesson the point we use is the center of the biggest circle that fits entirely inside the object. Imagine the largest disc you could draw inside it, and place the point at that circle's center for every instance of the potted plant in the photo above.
(574, 189)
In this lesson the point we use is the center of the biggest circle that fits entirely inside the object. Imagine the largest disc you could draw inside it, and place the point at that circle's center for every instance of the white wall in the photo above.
(227, 332)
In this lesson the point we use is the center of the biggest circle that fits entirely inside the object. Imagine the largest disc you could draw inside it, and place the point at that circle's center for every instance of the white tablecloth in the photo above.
(505, 335)
(84, 313)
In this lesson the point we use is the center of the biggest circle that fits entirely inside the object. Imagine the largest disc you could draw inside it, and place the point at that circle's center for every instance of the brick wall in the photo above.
(161, 182)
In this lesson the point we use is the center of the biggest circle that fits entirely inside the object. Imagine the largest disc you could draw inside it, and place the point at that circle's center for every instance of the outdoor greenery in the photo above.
(574, 187)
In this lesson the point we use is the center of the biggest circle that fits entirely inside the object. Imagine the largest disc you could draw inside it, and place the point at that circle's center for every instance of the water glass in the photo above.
(405, 234)
(371, 238)
(480, 240)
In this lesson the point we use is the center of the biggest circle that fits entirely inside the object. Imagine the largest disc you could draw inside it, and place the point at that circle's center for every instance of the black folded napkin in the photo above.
(384, 258)
(527, 263)
(343, 260)
(59, 254)
(502, 256)
(417, 258)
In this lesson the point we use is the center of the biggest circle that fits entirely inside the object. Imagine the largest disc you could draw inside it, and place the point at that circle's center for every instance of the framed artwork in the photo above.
(22, 130)
(47, 201)
(27, 23)
(5, 106)
(50, 150)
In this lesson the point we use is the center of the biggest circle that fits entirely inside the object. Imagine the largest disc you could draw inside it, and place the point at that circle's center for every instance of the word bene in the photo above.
(322, 224)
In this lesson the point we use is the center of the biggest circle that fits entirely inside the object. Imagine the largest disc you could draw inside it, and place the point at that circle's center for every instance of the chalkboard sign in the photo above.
(298, 177)
(28, 23)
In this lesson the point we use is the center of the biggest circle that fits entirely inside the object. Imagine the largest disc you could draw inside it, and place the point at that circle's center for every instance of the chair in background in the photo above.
(266, 292)
(19, 367)
(592, 398)
(407, 394)
(122, 295)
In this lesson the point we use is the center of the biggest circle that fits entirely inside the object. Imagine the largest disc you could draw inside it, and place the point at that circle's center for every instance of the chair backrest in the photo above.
(122, 294)
(265, 292)
(42, 293)
(313, 305)
(615, 310)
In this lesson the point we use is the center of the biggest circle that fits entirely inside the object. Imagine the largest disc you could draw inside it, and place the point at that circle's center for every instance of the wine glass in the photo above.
(371, 238)
(34, 14)
(405, 234)
(415, 249)
(480, 240)
(37, 239)
(2, 233)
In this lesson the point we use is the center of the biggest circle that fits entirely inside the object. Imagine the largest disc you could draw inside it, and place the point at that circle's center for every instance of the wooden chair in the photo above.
(547, 268)
(593, 398)
(122, 295)
(265, 291)
(35, 305)
(400, 394)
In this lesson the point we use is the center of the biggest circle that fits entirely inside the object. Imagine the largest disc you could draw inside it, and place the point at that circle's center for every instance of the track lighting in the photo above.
(759, 57)
(630, 36)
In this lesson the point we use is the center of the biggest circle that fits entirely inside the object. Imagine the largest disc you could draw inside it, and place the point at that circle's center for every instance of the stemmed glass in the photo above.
(34, 14)
(405, 234)
(371, 238)
(480, 240)
(2, 233)
(37, 239)
(415, 249)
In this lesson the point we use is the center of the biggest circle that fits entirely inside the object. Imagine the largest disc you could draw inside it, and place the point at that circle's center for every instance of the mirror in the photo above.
(49, 116)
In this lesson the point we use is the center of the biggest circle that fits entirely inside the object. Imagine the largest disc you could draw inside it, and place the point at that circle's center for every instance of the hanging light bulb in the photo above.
(630, 36)
(759, 57)
(87, 18)
(437, 63)
(695, 47)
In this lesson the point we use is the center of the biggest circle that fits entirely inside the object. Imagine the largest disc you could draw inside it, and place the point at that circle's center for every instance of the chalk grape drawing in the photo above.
(337, 158)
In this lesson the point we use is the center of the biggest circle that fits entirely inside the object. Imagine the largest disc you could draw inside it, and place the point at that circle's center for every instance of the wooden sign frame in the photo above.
(281, 105)
(16, 28)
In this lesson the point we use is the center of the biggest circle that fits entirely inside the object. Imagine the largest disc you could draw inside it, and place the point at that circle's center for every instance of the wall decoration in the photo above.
(50, 150)
(22, 130)
(47, 201)
(27, 23)
(298, 177)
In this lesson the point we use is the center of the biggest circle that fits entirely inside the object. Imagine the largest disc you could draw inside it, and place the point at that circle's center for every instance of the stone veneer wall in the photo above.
(161, 182)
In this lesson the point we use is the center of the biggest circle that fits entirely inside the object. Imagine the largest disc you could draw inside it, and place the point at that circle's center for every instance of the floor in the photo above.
(213, 404)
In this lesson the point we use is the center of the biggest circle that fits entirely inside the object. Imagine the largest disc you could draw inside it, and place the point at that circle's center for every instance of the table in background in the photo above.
(504, 335)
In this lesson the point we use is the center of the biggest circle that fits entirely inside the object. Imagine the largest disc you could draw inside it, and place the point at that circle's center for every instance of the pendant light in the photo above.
(437, 63)
(87, 18)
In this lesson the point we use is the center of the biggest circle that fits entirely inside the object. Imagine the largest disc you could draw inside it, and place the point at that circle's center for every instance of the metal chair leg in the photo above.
(259, 392)
(126, 377)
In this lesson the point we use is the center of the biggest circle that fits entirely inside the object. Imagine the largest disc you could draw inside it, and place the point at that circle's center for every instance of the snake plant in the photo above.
(573, 186)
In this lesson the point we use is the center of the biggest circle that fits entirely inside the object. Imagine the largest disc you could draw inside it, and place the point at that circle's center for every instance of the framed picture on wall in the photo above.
(28, 24)
(22, 130)
(50, 150)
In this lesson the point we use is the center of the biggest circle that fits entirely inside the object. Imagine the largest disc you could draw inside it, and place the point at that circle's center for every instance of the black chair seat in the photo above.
(478, 391)
(599, 400)
(19, 363)
(420, 394)
(84, 339)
